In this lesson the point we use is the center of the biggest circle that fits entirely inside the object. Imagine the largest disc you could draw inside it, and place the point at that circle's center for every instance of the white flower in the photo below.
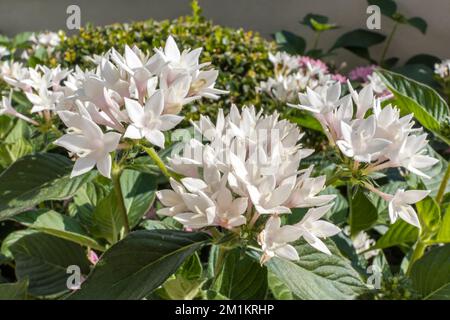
(323, 100)
(148, 121)
(410, 155)
(274, 240)
(202, 84)
(305, 193)
(442, 69)
(377, 84)
(312, 229)
(45, 99)
(86, 139)
(172, 199)
(176, 62)
(229, 211)
(4, 51)
(364, 100)
(176, 92)
(400, 205)
(359, 142)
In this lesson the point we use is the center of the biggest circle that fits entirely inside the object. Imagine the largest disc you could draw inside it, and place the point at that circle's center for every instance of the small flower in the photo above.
(311, 228)
(86, 139)
(358, 140)
(400, 205)
(274, 240)
(148, 121)
(45, 99)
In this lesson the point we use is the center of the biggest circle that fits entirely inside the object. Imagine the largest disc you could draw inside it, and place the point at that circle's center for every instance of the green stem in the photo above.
(220, 261)
(316, 40)
(418, 252)
(388, 43)
(350, 206)
(443, 186)
(116, 173)
(158, 161)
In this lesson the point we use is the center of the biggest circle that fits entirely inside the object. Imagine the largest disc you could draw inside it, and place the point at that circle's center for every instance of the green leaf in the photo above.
(139, 264)
(289, 42)
(317, 17)
(317, 26)
(21, 39)
(398, 233)
(443, 235)
(14, 291)
(12, 238)
(418, 23)
(425, 59)
(241, 277)
(36, 178)
(431, 274)
(138, 191)
(279, 290)
(107, 221)
(418, 72)
(387, 7)
(363, 213)
(413, 97)
(86, 200)
(186, 283)
(429, 215)
(317, 275)
(358, 41)
(58, 225)
(44, 259)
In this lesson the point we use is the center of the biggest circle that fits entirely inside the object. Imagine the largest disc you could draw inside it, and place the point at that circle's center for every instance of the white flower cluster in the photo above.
(294, 74)
(443, 69)
(378, 139)
(248, 169)
(132, 95)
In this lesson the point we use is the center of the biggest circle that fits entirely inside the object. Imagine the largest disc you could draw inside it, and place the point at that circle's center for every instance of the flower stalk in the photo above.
(115, 176)
(443, 186)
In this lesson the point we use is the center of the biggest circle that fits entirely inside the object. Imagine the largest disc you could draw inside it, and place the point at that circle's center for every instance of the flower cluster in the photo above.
(294, 74)
(133, 96)
(372, 138)
(246, 172)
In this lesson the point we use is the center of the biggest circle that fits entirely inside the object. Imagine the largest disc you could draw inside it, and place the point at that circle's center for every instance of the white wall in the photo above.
(265, 16)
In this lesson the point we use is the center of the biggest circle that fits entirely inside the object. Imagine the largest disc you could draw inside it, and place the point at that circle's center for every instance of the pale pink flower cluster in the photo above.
(377, 140)
(245, 173)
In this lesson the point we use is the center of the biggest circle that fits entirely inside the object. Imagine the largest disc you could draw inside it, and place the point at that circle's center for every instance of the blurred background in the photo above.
(263, 16)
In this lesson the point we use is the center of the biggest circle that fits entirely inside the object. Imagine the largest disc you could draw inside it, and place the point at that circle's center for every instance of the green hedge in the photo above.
(241, 56)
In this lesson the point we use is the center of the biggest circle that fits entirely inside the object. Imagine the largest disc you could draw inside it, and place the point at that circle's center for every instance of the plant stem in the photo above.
(316, 40)
(116, 173)
(418, 252)
(350, 205)
(388, 43)
(443, 186)
(155, 157)
(219, 262)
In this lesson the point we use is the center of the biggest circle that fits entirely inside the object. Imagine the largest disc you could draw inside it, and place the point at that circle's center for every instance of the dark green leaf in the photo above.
(289, 42)
(387, 7)
(138, 191)
(425, 59)
(358, 41)
(431, 274)
(140, 263)
(14, 291)
(363, 213)
(36, 178)
(418, 23)
(58, 225)
(44, 259)
(317, 275)
(241, 277)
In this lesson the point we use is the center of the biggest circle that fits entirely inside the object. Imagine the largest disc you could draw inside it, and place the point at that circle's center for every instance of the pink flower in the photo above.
(339, 77)
(315, 63)
(361, 73)
(92, 257)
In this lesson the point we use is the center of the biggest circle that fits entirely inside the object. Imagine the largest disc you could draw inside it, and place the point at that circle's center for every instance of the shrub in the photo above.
(241, 56)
